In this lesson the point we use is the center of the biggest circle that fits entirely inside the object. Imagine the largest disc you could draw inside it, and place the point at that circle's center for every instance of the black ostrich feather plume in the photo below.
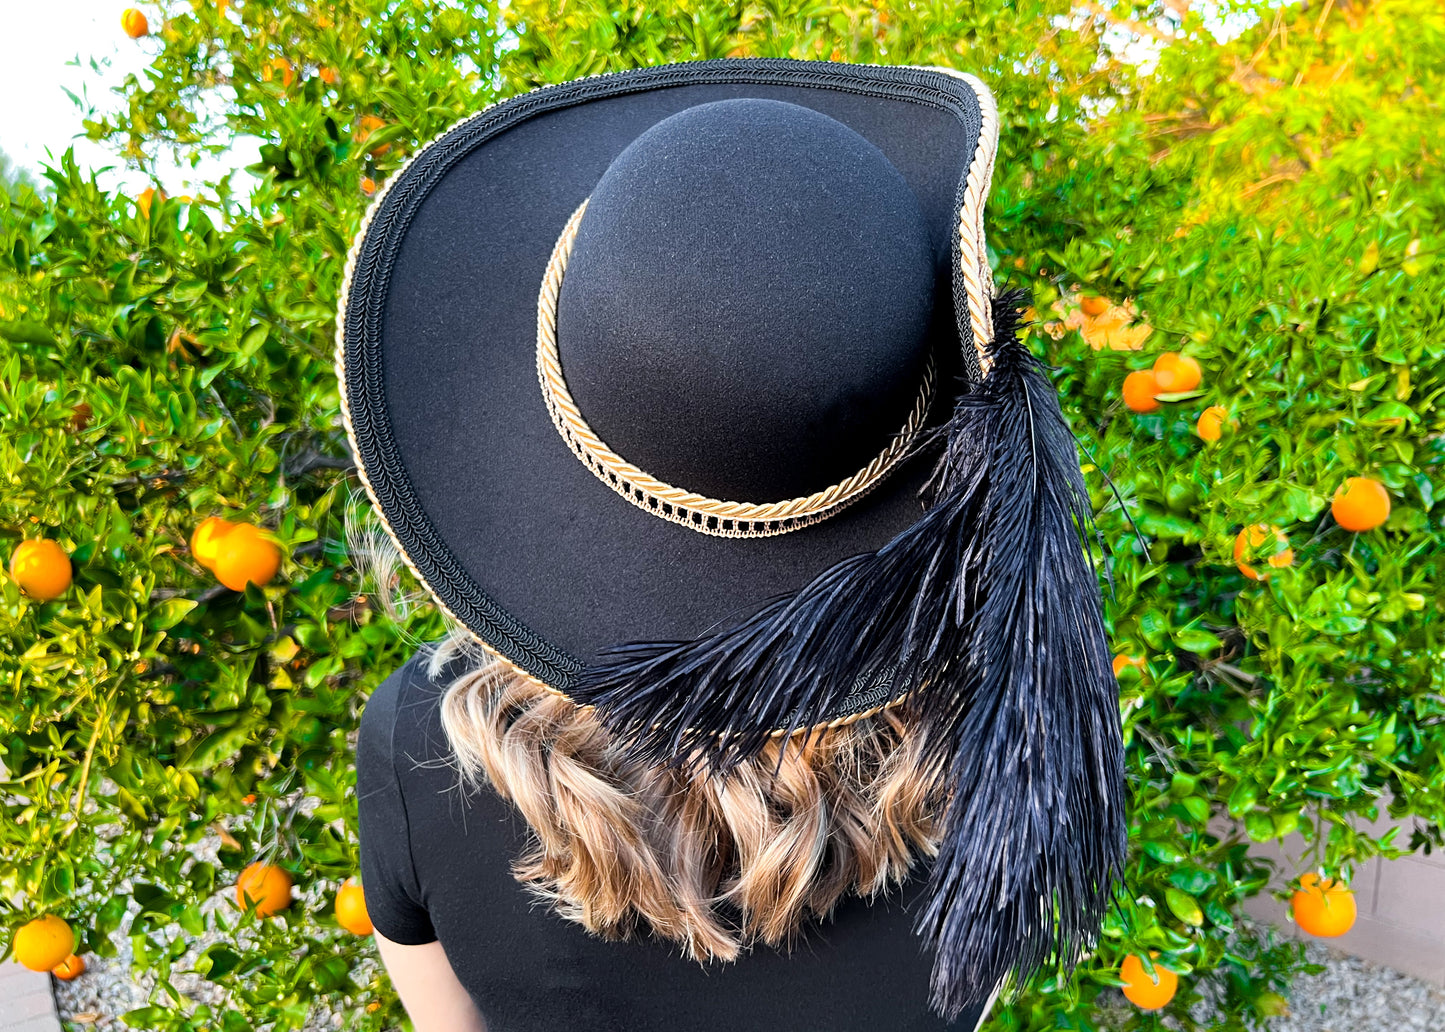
(987, 614)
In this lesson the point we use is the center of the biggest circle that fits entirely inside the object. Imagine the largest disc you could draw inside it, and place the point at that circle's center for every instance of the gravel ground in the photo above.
(1353, 995)
(1350, 995)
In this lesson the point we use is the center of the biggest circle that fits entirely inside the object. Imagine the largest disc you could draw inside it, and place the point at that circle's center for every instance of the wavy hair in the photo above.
(621, 847)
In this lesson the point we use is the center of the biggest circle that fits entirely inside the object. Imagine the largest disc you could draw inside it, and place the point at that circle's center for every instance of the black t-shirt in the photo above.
(435, 864)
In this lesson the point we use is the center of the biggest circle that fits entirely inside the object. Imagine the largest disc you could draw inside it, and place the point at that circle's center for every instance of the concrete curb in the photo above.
(27, 1000)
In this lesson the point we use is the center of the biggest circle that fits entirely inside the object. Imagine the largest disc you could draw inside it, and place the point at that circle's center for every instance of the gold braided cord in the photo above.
(688, 508)
(973, 247)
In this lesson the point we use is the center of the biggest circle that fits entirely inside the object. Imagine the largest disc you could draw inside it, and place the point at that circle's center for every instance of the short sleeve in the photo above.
(388, 877)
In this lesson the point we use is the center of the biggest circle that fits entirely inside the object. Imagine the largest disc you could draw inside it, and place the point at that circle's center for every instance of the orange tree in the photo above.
(1268, 206)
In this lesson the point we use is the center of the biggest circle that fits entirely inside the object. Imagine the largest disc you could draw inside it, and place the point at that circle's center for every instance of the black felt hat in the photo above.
(686, 390)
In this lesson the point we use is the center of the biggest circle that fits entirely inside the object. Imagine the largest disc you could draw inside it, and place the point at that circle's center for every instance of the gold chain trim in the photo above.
(694, 511)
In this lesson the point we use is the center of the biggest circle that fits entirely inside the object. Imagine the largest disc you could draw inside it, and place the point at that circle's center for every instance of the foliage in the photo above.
(1270, 205)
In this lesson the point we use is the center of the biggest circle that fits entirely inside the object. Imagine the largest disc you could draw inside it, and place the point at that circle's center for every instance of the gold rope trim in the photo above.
(688, 508)
(973, 246)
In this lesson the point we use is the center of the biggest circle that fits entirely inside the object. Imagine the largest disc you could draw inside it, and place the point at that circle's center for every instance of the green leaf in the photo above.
(252, 341)
(1154, 628)
(1193, 880)
(1167, 527)
(1197, 640)
(189, 291)
(215, 747)
(171, 612)
(191, 921)
(1219, 917)
(1243, 798)
(150, 897)
(130, 805)
(27, 333)
(1163, 852)
(1181, 784)
(1390, 411)
(1198, 808)
(217, 962)
(145, 1017)
(61, 880)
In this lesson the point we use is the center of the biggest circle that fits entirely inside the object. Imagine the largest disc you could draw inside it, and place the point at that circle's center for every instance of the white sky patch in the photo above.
(49, 46)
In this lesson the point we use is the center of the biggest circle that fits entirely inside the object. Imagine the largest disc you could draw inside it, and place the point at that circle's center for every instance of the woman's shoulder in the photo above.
(403, 714)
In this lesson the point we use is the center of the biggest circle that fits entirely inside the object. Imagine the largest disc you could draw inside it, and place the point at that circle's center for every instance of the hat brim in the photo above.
(513, 536)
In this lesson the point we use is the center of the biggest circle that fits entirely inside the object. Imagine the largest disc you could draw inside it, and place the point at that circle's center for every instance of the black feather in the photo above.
(987, 614)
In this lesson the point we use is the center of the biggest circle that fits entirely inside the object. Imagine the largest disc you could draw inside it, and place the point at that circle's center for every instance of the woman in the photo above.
(684, 760)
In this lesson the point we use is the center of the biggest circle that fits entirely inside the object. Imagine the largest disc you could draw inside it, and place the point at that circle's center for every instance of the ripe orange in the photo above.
(71, 967)
(328, 75)
(134, 23)
(1115, 328)
(243, 555)
(365, 127)
(206, 537)
(1256, 537)
(1323, 908)
(1093, 305)
(42, 569)
(1142, 991)
(1176, 372)
(44, 943)
(266, 886)
(143, 202)
(1361, 503)
(278, 66)
(1140, 387)
(1211, 422)
(351, 908)
(368, 185)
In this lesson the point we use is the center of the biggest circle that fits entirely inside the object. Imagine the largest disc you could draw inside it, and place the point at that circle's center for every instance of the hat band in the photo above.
(694, 511)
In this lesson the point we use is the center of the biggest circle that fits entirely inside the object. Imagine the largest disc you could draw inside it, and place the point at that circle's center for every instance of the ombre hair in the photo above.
(622, 847)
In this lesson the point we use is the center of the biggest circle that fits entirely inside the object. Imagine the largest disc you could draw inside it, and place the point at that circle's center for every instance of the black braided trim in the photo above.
(437, 567)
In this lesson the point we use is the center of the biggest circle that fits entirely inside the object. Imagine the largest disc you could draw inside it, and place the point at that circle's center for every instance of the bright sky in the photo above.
(49, 45)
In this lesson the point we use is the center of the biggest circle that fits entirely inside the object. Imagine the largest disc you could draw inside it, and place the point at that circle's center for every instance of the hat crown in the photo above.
(747, 307)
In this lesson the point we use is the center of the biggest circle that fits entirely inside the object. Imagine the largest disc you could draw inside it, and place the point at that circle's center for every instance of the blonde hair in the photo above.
(620, 846)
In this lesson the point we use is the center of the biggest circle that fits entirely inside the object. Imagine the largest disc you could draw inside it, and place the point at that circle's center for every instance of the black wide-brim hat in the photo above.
(685, 389)
(513, 535)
